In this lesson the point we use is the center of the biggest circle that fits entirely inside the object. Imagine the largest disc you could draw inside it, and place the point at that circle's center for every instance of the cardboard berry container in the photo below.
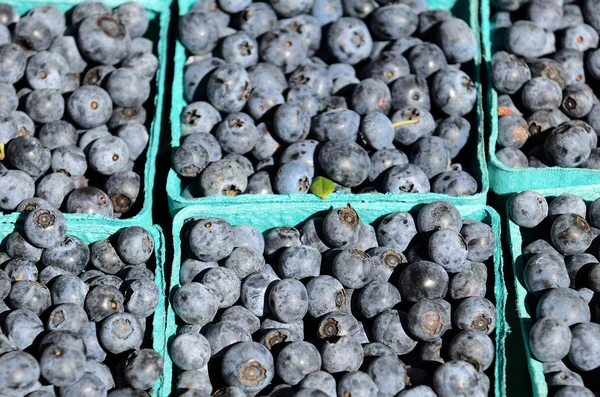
(505, 180)
(159, 14)
(154, 336)
(473, 155)
(369, 212)
(525, 309)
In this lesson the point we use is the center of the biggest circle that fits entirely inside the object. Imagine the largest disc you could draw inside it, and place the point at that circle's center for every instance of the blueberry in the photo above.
(29, 295)
(423, 280)
(536, 43)
(549, 68)
(190, 351)
(288, 300)
(572, 391)
(18, 247)
(33, 34)
(46, 70)
(248, 366)
(389, 329)
(44, 106)
(528, 209)
(336, 125)
(305, 96)
(384, 159)
(297, 360)
(244, 261)
(224, 284)
(280, 238)
(320, 380)
(371, 95)
(349, 40)
(550, 339)
(242, 317)
(456, 377)
(19, 187)
(411, 124)
(469, 282)
(120, 332)
(67, 317)
(457, 40)
(195, 304)
(87, 385)
(284, 49)
(407, 178)
(418, 391)
(22, 327)
(257, 19)
(21, 269)
(123, 189)
(103, 39)
(453, 92)
(571, 234)
(102, 372)
(377, 297)
(389, 375)
(448, 249)
(12, 63)
(62, 365)
(512, 158)
(27, 154)
(394, 21)
(426, 59)
(68, 289)
(584, 352)
(358, 384)
(20, 371)
(476, 313)
(513, 131)
(103, 301)
(90, 106)
(341, 354)
(480, 240)
(142, 297)
(345, 162)
(431, 155)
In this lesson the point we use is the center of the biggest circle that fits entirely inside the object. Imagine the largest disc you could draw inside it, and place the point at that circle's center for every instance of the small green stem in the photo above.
(406, 122)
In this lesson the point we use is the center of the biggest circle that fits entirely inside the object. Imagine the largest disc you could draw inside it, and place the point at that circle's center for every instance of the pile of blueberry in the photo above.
(338, 309)
(74, 317)
(371, 95)
(72, 121)
(562, 276)
(547, 71)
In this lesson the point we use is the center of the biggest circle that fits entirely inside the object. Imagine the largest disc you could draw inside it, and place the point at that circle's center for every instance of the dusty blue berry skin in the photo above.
(418, 391)
(567, 204)
(257, 19)
(408, 134)
(387, 67)
(568, 145)
(480, 240)
(244, 261)
(291, 122)
(340, 355)
(353, 268)
(249, 236)
(448, 249)
(142, 297)
(410, 91)
(90, 107)
(19, 187)
(222, 335)
(340, 40)
(407, 178)
(528, 209)
(457, 40)
(541, 93)
(512, 158)
(240, 48)
(384, 159)
(397, 230)
(288, 300)
(263, 101)
(190, 351)
(22, 327)
(35, 35)
(300, 262)
(12, 63)
(127, 87)
(224, 284)
(190, 159)
(108, 155)
(62, 365)
(550, 340)
(454, 183)
(27, 154)
(54, 188)
(336, 125)
(223, 178)
(320, 380)
(196, 78)
(325, 295)
(242, 317)
(475, 313)
(389, 374)
(208, 142)
(388, 328)
(297, 360)
(341, 227)
(143, 368)
(453, 92)
(45, 228)
(578, 100)
(313, 76)
(281, 238)
(103, 39)
(44, 106)
(420, 315)
(474, 347)
(376, 129)
(198, 32)
(305, 96)
(293, 177)
(20, 372)
(426, 59)
(211, 239)
(29, 295)
(136, 138)
(571, 234)
(254, 291)
(584, 352)
(195, 304)
(423, 280)
(275, 50)
(242, 357)
(237, 133)
(371, 95)
(394, 21)
(345, 162)
(21, 269)
(191, 268)
(431, 155)
(229, 88)
(377, 297)
(456, 377)
(46, 70)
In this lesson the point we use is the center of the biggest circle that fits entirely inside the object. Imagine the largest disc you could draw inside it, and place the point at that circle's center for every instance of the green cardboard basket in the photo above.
(276, 215)
(159, 13)
(90, 232)
(505, 180)
(515, 239)
(467, 10)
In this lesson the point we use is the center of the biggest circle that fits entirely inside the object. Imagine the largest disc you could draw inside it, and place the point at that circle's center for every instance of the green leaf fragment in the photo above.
(322, 187)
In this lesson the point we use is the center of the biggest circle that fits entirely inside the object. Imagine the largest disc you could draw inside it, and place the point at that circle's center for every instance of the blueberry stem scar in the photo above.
(406, 122)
